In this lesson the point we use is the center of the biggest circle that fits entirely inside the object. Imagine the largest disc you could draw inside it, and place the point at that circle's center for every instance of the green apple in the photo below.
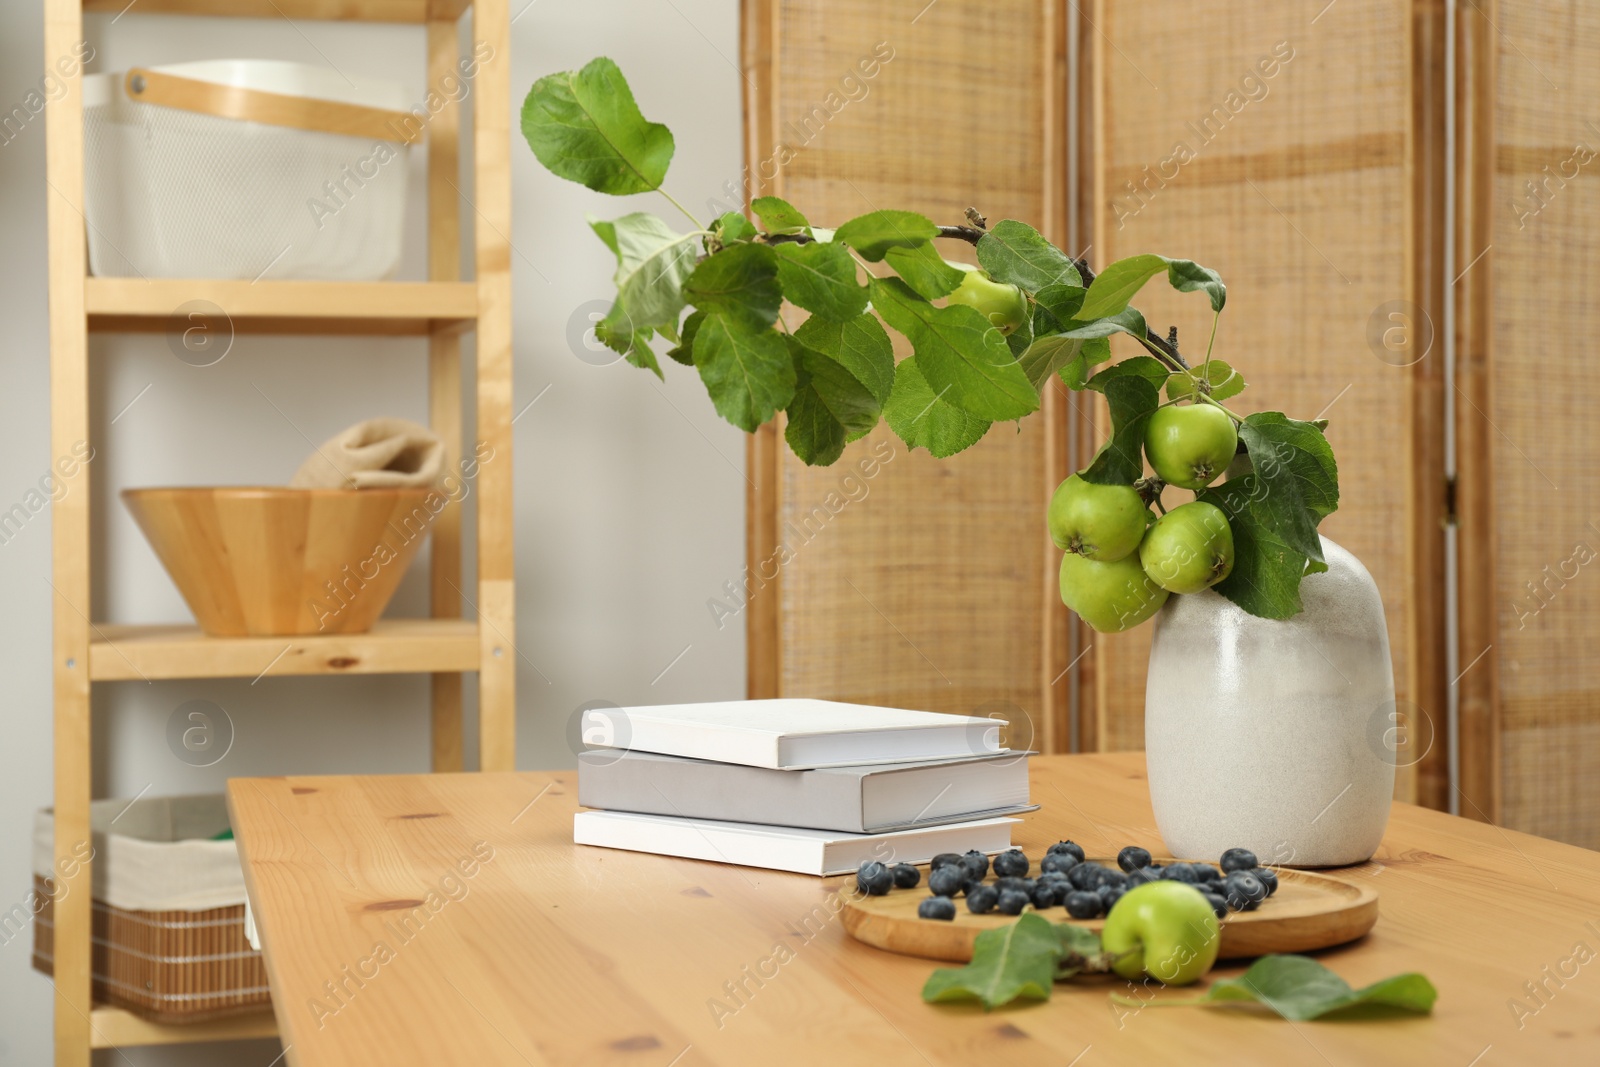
(1002, 304)
(1190, 548)
(1189, 445)
(1100, 522)
(1163, 929)
(1111, 597)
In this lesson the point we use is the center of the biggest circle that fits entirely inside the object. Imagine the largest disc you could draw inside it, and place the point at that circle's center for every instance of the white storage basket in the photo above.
(245, 169)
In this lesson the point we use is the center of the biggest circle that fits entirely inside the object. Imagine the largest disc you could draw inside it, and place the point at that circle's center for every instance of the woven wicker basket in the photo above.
(167, 966)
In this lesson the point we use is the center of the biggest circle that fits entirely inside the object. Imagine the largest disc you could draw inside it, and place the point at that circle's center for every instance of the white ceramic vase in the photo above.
(1274, 735)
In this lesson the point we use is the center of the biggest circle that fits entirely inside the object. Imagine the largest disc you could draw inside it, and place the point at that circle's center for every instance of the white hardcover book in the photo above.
(791, 733)
(783, 848)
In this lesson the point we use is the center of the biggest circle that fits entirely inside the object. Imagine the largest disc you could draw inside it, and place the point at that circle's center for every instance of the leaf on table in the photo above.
(740, 283)
(830, 407)
(1011, 961)
(860, 344)
(748, 371)
(822, 279)
(874, 233)
(1015, 252)
(585, 126)
(924, 270)
(960, 353)
(923, 420)
(778, 215)
(1114, 287)
(1299, 989)
(1080, 952)
(653, 262)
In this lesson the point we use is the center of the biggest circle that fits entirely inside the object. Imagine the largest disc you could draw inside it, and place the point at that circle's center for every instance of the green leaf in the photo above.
(1011, 961)
(616, 333)
(1225, 382)
(1051, 355)
(652, 264)
(740, 282)
(1080, 952)
(1015, 252)
(922, 420)
(829, 409)
(1020, 339)
(584, 126)
(822, 279)
(748, 371)
(924, 270)
(1128, 320)
(1149, 368)
(683, 351)
(1294, 458)
(778, 216)
(1096, 350)
(873, 234)
(1132, 399)
(1299, 989)
(1060, 303)
(1115, 286)
(732, 226)
(861, 345)
(963, 357)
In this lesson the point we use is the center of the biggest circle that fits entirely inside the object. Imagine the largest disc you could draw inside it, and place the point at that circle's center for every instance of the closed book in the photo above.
(791, 733)
(861, 799)
(783, 848)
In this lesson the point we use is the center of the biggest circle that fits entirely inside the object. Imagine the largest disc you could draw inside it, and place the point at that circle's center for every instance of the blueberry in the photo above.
(1238, 859)
(1243, 891)
(1205, 873)
(982, 898)
(1009, 882)
(1115, 879)
(937, 908)
(1045, 895)
(943, 859)
(1066, 848)
(1142, 875)
(1011, 902)
(873, 878)
(1268, 877)
(1011, 863)
(1085, 875)
(1058, 861)
(1084, 905)
(1179, 872)
(1109, 895)
(977, 864)
(1156, 871)
(1132, 858)
(1218, 905)
(948, 880)
(1059, 877)
(905, 876)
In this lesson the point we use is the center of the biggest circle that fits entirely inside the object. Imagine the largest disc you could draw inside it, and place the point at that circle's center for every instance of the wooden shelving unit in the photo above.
(441, 309)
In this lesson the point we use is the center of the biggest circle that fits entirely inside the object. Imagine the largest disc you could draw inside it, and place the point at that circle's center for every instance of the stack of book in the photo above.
(811, 786)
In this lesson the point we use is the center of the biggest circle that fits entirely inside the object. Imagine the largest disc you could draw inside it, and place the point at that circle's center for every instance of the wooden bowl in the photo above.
(278, 561)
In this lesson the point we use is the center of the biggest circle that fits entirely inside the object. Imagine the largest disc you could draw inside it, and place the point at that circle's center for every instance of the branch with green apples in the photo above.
(986, 339)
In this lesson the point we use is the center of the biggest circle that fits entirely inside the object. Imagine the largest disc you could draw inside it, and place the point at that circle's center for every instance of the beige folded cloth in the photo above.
(375, 454)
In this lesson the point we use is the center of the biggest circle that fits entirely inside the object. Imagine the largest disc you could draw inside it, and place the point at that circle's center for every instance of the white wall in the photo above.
(629, 494)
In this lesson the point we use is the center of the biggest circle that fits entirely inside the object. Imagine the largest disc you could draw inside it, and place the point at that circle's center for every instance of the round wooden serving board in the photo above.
(1309, 911)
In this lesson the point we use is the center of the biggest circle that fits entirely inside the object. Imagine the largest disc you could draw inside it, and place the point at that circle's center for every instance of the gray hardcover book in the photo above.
(856, 800)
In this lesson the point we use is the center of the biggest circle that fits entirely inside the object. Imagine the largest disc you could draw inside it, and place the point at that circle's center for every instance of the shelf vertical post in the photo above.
(444, 369)
(491, 145)
(69, 536)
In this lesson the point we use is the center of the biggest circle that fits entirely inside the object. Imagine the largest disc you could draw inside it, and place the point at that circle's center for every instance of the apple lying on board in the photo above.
(1190, 445)
(1164, 929)
(1100, 522)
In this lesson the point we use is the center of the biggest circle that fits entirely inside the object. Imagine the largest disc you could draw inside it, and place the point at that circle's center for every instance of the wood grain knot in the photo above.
(301, 790)
(695, 891)
(393, 905)
(423, 815)
(1010, 1032)
(637, 1043)
(340, 663)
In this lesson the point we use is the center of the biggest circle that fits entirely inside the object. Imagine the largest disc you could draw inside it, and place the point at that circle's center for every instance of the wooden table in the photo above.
(531, 950)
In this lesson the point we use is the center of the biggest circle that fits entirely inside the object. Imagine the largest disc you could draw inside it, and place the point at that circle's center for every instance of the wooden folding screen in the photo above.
(1528, 256)
(1277, 144)
(924, 583)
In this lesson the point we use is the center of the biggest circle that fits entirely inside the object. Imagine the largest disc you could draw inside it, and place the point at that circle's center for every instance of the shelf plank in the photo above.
(288, 307)
(116, 1028)
(341, 10)
(393, 646)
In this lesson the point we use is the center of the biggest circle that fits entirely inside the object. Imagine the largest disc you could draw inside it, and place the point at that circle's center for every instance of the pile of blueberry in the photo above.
(1087, 890)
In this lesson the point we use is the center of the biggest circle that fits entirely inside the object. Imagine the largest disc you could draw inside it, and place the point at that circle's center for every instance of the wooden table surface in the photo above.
(528, 949)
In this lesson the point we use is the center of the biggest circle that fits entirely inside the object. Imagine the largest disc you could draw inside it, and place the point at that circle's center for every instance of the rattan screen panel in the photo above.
(1542, 455)
(925, 584)
(1296, 193)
